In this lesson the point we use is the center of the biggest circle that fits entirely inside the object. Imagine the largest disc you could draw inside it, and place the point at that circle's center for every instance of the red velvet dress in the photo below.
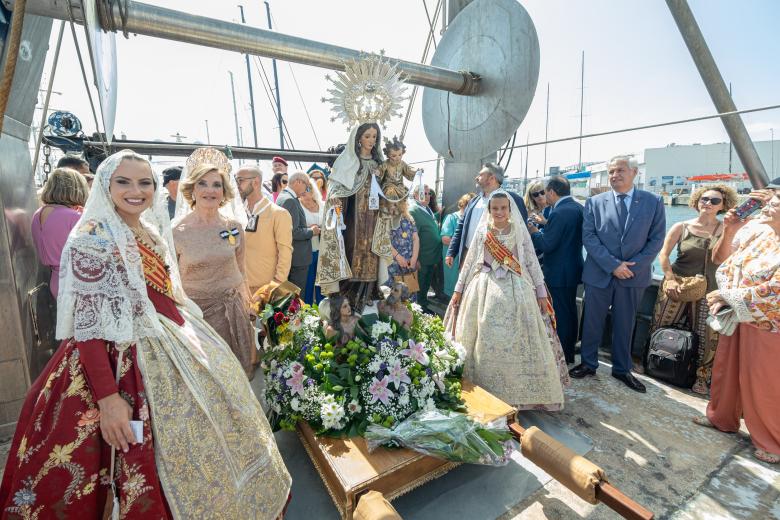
(59, 463)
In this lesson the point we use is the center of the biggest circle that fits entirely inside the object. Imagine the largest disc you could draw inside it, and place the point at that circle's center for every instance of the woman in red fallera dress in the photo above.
(202, 449)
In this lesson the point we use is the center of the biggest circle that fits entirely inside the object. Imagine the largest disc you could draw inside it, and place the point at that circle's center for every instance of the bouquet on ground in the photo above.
(381, 376)
(448, 435)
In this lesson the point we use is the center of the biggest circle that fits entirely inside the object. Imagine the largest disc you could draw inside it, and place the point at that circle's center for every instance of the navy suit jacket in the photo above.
(458, 241)
(561, 243)
(607, 247)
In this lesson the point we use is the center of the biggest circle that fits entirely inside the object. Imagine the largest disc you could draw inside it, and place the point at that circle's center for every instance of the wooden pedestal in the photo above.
(348, 470)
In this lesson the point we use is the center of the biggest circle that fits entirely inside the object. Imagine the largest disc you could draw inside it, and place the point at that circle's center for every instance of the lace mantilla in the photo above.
(102, 283)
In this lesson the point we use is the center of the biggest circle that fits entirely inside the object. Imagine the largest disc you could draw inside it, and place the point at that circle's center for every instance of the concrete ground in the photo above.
(651, 451)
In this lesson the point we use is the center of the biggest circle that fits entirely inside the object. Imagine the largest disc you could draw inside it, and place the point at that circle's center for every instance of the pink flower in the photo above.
(296, 382)
(379, 392)
(398, 375)
(416, 351)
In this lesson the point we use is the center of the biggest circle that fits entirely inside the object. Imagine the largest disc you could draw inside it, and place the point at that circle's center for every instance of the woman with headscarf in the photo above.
(498, 309)
(143, 412)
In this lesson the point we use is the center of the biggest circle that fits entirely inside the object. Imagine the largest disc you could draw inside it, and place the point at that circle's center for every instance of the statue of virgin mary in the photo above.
(367, 94)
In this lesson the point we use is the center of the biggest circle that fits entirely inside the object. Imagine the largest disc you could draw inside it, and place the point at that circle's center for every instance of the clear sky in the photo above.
(637, 71)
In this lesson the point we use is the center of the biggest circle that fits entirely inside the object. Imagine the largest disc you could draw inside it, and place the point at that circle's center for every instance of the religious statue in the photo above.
(339, 319)
(367, 94)
(394, 304)
(393, 171)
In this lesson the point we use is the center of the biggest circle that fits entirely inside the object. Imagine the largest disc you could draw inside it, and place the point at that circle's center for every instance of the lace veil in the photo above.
(234, 209)
(102, 288)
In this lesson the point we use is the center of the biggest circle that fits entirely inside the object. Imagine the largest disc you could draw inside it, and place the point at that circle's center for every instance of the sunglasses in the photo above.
(537, 193)
(711, 200)
(284, 182)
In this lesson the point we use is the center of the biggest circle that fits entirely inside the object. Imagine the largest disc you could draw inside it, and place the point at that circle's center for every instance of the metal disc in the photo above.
(497, 40)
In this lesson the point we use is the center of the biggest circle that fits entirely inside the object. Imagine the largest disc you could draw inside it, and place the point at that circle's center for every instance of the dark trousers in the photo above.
(298, 275)
(565, 305)
(424, 277)
(624, 302)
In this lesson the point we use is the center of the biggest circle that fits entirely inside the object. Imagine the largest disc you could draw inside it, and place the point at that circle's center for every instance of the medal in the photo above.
(404, 234)
(230, 236)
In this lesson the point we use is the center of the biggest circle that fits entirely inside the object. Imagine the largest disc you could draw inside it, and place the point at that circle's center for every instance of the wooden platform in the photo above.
(348, 470)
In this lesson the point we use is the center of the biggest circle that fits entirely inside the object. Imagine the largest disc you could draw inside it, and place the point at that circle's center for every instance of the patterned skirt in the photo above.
(509, 349)
(207, 442)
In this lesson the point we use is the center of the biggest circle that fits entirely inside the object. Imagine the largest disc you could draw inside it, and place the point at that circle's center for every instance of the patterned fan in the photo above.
(371, 89)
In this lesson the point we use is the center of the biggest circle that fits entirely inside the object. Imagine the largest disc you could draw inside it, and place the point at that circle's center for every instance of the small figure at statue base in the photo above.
(394, 304)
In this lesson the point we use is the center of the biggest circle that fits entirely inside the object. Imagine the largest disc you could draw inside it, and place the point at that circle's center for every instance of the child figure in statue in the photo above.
(393, 171)
(394, 304)
(340, 319)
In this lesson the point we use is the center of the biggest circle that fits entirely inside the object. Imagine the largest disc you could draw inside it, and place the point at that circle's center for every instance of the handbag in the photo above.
(724, 321)
(410, 279)
(692, 288)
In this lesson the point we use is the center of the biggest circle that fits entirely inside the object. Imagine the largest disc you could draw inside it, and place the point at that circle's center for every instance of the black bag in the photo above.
(671, 356)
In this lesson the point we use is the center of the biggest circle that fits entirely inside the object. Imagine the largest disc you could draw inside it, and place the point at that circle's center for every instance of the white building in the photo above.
(670, 168)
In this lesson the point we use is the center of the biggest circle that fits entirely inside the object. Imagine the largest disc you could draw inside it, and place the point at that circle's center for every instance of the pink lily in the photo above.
(398, 375)
(296, 382)
(379, 392)
(416, 351)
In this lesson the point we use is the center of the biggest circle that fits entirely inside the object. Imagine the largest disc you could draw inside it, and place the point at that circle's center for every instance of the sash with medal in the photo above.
(502, 254)
(505, 257)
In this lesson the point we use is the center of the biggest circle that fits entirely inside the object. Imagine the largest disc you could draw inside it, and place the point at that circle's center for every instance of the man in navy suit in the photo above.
(489, 179)
(561, 243)
(623, 231)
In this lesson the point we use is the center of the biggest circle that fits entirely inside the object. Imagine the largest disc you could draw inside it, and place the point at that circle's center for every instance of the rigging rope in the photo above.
(55, 60)
(101, 136)
(303, 102)
(431, 38)
(12, 54)
(634, 128)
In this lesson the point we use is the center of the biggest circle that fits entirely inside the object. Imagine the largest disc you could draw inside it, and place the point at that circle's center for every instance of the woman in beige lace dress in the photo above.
(510, 351)
(210, 251)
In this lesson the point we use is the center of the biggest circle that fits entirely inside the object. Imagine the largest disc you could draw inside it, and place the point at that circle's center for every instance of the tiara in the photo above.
(371, 89)
(208, 155)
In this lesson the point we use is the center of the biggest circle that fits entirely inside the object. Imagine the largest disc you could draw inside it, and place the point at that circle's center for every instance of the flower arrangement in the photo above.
(382, 376)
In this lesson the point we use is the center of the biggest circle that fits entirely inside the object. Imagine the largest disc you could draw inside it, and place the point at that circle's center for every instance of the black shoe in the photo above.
(569, 360)
(581, 370)
(630, 381)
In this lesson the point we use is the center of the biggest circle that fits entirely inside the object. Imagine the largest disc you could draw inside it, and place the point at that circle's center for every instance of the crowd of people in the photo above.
(155, 300)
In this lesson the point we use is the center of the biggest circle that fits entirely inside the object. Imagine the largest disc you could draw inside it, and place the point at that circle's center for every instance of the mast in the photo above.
(251, 91)
(279, 118)
(546, 127)
(582, 100)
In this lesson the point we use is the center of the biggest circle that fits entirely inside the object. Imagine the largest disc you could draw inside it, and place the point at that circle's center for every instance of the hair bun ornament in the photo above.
(209, 155)
(371, 89)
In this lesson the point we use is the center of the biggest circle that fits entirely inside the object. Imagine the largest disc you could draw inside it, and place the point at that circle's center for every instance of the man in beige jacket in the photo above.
(268, 233)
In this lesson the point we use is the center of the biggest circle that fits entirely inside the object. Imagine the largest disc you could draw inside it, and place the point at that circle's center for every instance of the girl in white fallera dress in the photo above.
(503, 315)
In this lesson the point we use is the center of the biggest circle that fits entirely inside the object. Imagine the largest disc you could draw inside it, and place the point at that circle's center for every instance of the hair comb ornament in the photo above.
(371, 89)
(208, 155)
